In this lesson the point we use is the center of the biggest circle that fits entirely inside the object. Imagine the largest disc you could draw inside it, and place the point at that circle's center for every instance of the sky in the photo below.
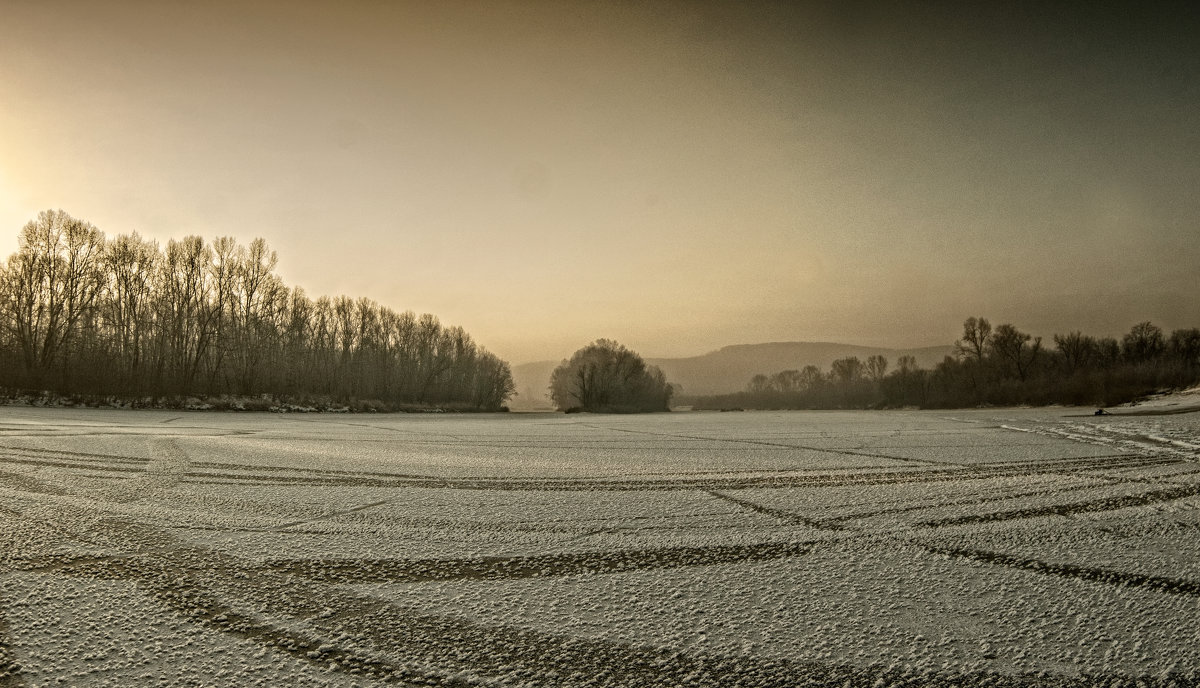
(678, 176)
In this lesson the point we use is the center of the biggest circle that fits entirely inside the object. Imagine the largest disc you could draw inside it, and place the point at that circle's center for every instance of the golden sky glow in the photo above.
(677, 176)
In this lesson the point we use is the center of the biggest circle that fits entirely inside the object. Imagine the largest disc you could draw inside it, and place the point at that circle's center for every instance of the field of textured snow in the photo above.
(997, 547)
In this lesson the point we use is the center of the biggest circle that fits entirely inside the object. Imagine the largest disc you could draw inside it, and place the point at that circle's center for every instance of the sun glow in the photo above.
(14, 213)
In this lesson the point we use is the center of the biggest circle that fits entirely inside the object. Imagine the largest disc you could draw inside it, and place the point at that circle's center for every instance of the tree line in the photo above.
(991, 366)
(82, 314)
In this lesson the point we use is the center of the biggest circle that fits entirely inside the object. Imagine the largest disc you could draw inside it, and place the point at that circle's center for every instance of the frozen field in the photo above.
(998, 548)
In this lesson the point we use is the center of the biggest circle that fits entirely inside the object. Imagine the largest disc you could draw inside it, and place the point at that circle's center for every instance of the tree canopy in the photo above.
(605, 376)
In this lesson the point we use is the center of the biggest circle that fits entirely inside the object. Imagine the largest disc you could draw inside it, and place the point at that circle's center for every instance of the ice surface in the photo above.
(987, 547)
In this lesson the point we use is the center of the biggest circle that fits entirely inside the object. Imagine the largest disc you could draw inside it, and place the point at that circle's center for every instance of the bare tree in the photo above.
(1108, 352)
(1185, 346)
(1013, 346)
(758, 384)
(131, 263)
(811, 377)
(1077, 350)
(847, 370)
(786, 381)
(877, 366)
(54, 281)
(1144, 343)
(977, 334)
(186, 313)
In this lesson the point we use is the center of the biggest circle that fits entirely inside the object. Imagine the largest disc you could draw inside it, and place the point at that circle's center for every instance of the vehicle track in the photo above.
(782, 445)
(973, 499)
(780, 514)
(1089, 506)
(392, 643)
(78, 456)
(533, 566)
(24, 483)
(1070, 466)
(165, 470)
(1163, 584)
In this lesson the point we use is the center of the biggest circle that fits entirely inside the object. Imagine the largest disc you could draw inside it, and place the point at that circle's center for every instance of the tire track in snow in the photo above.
(333, 514)
(1070, 509)
(165, 470)
(199, 601)
(1139, 439)
(533, 566)
(78, 456)
(1112, 577)
(457, 646)
(781, 445)
(188, 580)
(1165, 584)
(786, 516)
(974, 499)
(1069, 466)
(386, 643)
(63, 464)
(24, 483)
(393, 643)
(396, 644)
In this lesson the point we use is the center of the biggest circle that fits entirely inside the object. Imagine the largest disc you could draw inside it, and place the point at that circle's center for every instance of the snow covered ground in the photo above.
(989, 547)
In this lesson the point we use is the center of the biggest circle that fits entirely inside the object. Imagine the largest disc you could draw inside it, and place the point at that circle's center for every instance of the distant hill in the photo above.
(728, 369)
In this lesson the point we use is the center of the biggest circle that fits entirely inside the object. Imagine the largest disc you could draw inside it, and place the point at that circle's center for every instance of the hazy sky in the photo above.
(675, 175)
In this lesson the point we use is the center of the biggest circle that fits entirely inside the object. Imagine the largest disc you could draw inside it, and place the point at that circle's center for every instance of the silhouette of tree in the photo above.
(849, 369)
(1185, 346)
(1143, 343)
(605, 376)
(52, 284)
(1077, 350)
(1013, 346)
(758, 384)
(877, 366)
(976, 339)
